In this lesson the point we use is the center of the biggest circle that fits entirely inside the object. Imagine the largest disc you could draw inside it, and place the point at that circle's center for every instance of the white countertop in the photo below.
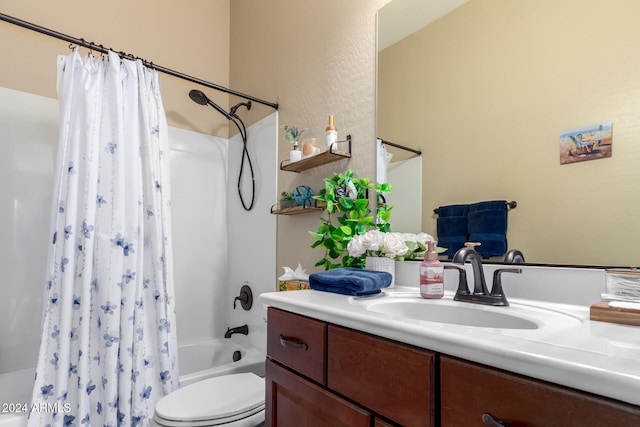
(597, 357)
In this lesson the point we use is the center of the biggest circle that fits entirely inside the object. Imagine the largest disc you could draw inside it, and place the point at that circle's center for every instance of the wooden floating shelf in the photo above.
(296, 210)
(328, 156)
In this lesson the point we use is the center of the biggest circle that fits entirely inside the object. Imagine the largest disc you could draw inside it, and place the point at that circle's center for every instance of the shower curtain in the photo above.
(108, 349)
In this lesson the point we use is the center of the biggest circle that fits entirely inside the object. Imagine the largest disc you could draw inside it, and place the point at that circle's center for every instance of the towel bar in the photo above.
(510, 205)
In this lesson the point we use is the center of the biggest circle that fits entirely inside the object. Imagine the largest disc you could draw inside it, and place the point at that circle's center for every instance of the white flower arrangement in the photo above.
(399, 246)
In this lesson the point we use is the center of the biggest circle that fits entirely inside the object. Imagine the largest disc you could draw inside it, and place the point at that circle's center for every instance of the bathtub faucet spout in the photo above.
(244, 330)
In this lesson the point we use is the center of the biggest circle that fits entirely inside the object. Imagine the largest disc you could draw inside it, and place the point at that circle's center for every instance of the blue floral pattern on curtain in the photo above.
(108, 348)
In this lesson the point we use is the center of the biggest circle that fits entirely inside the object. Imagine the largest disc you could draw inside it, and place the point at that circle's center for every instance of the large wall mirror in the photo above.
(485, 92)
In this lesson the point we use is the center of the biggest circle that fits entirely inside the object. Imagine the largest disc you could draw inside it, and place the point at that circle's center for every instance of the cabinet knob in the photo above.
(292, 343)
(488, 420)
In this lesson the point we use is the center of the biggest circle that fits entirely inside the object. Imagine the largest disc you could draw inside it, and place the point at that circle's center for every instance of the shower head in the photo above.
(200, 98)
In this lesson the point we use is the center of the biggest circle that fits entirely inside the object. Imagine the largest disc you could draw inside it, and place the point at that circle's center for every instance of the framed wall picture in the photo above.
(586, 143)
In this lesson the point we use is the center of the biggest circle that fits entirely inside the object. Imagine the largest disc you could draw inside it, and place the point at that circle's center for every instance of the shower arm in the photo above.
(200, 98)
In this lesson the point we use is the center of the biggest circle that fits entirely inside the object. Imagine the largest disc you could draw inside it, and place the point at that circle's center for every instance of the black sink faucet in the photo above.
(244, 330)
(468, 253)
(480, 294)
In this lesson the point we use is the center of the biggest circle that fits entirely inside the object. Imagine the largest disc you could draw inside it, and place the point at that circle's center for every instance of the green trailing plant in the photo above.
(348, 215)
(286, 200)
(284, 196)
(383, 211)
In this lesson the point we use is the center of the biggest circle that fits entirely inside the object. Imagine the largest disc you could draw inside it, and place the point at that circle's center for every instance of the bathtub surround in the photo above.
(26, 166)
(252, 234)
(109, 319)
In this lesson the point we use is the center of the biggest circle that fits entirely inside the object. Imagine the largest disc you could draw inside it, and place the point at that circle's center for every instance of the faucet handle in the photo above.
(245, 297)
(514, 256)
(463, 288)
(496, 289)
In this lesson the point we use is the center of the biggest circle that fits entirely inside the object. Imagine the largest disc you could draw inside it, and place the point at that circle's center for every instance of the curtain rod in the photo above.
(102, 49)
(393, 144)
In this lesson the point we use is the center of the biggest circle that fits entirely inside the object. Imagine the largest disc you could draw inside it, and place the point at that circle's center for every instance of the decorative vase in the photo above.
(303, 195)
(295, 155)
(377, 263)
(309, 148)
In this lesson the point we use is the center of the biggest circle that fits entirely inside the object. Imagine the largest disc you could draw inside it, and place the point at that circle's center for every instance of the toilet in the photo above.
(235, 400)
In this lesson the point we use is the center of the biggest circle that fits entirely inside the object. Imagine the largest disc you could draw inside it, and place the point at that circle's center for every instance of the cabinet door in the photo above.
(392, 379)
(468, 391)
(293, 401)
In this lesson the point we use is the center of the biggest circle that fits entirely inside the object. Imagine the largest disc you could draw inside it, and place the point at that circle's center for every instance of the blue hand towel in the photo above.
(350, 281)
(488, 225)
(452, 227)
(453, 210)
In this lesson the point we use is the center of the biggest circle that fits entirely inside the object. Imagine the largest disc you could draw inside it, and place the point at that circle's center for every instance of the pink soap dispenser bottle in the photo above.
(431, 274)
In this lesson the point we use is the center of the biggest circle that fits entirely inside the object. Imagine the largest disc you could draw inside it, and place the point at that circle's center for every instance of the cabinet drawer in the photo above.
(297, 342)
(392, 379)
(468, 391)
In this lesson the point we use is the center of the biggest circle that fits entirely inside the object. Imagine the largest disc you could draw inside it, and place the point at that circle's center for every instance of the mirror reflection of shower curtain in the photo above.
(383, 158)
(108, 348)
(382, 161)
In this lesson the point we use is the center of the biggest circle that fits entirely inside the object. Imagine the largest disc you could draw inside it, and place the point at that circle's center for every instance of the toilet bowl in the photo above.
(235, 400)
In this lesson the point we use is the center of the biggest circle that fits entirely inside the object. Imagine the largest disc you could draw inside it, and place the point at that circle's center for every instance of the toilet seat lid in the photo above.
(213, 398)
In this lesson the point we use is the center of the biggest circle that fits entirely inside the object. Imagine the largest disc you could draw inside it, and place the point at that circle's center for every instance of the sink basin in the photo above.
(468, 314)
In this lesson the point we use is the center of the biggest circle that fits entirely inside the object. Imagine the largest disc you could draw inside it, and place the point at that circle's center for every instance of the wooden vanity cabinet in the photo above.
(468, 391)
(320, 374)
(364, 380)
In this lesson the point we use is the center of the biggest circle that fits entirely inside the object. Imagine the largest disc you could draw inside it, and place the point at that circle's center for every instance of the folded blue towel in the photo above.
(452, 227)
(350, 281)
(452, 233)
(488, 225)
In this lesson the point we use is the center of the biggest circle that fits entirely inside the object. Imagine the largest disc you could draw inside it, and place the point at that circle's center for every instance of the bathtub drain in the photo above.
(237, 355)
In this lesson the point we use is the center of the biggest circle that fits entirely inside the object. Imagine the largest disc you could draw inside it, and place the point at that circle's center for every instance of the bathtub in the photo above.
(211, 358)
(198, 361)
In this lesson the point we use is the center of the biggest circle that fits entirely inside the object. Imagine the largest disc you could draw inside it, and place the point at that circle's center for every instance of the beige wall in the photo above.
(192, 38)
(316, 58)
(485, 92)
